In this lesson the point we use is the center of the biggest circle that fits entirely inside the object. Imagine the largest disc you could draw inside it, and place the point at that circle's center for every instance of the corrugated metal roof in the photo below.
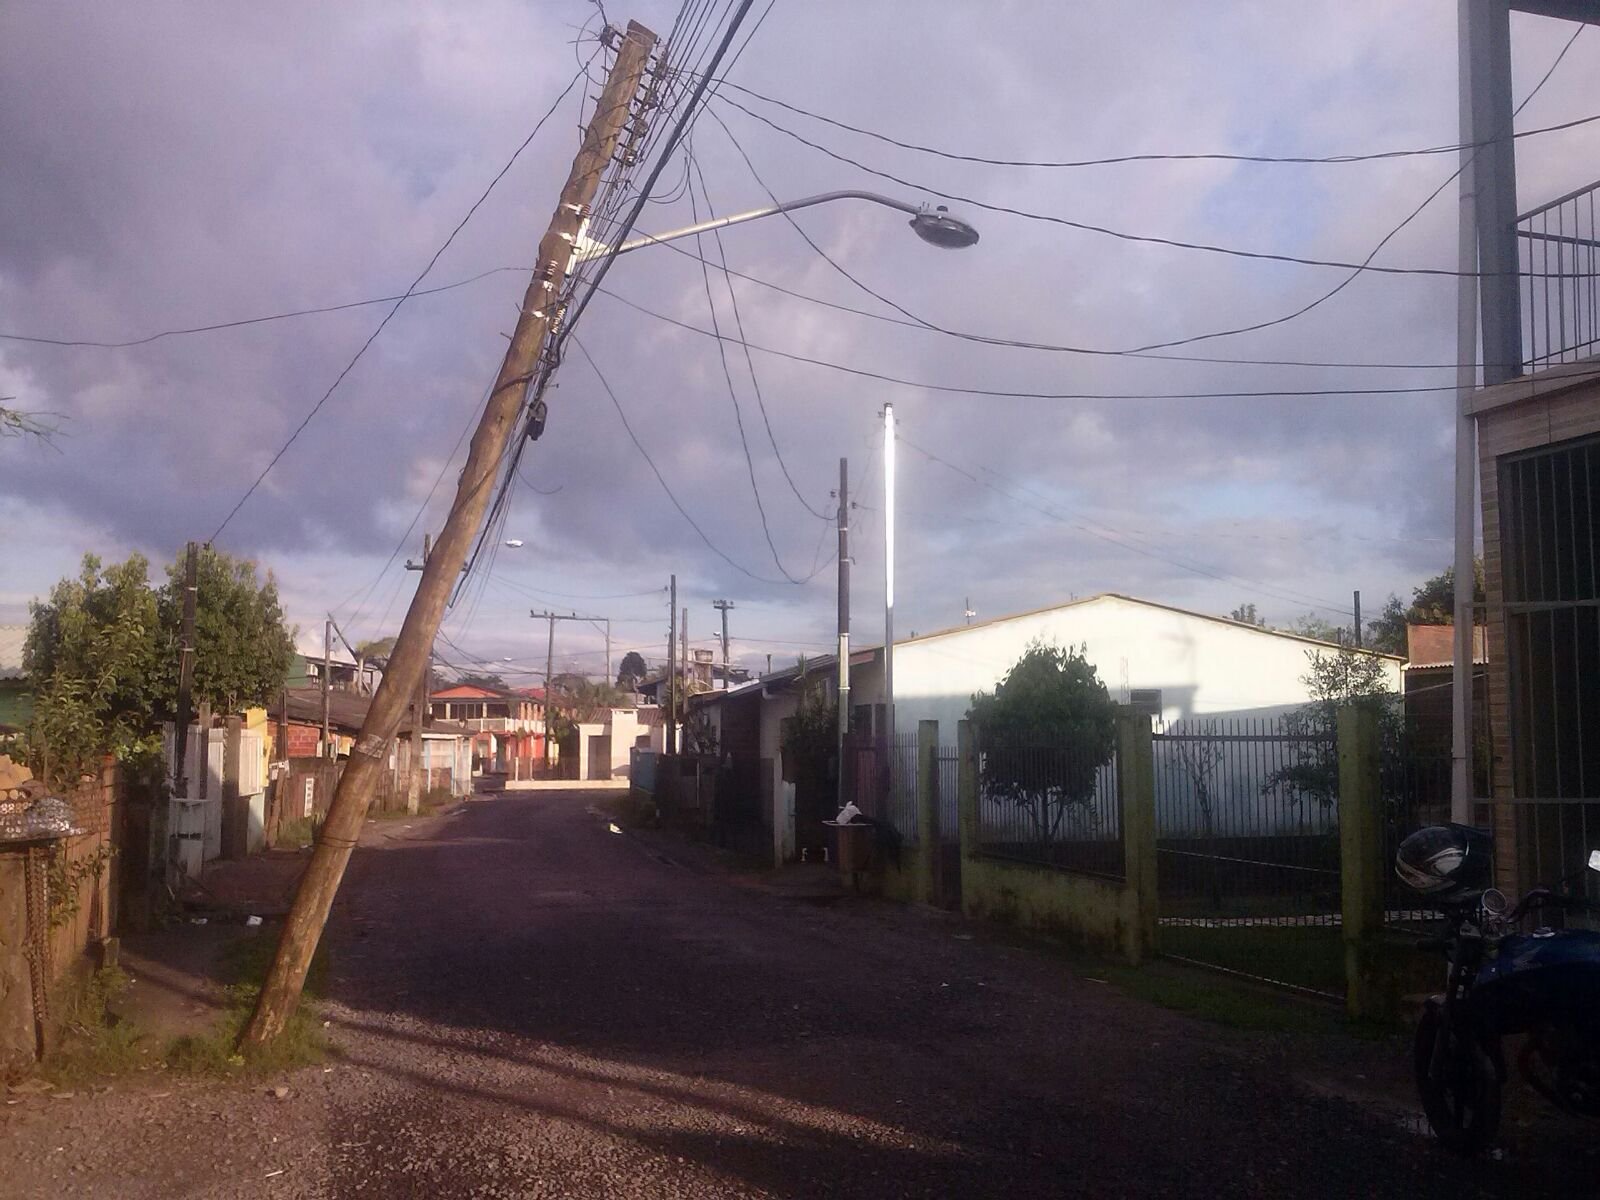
(12, 638)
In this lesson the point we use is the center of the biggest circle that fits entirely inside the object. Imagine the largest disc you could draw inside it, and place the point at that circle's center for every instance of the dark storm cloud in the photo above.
(172, 165)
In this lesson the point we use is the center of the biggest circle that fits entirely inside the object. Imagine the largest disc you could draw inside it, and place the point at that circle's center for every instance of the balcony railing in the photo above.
(1560, 258)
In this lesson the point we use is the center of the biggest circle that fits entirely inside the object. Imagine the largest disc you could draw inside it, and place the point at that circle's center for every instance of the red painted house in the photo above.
(508, 725)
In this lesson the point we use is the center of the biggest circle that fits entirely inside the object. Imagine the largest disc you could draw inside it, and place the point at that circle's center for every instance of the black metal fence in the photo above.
(1415, 770)
(1560, 262)
(1247, 842)
(1049, 805)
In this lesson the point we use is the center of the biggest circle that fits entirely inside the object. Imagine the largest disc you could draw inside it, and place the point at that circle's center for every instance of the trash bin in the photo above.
(852, 846)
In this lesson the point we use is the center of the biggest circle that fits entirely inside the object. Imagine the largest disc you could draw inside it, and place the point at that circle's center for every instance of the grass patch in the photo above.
(93, 1042)
(1228, 1002)
(1308, 956)
(296, 834)
(243, 967)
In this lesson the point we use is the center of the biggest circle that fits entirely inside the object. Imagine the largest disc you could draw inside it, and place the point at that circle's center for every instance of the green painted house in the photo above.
(16, 697)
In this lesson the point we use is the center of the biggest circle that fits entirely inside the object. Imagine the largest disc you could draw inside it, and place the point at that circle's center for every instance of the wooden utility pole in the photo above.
(671, 744)
(550, 662)
(327, 674)
(368, 757)
(549, 688)
(161, 811)
(414, 776)
(723, 606)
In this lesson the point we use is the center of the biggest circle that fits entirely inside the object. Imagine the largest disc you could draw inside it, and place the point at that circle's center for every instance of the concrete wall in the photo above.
(774, 710)
(1111, 916)
(1203, 666)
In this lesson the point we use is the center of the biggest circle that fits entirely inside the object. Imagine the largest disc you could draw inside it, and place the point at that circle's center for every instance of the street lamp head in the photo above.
(938, 227)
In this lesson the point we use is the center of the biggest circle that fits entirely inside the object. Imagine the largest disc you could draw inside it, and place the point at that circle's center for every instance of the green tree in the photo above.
(1335, 678)
(1386, 632)
(482, 679)
(1246, 614)
(92, 657)
(1433, 603)
(377, 649)
(243, 648)
(1045, 732)
(631, 671)
(810, 738)
(1313, 626)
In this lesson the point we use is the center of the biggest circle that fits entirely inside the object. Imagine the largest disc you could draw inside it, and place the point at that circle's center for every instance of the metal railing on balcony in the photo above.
(1559, 256)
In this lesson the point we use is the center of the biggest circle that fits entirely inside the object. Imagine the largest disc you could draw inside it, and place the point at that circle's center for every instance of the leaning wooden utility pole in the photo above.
(369, 756)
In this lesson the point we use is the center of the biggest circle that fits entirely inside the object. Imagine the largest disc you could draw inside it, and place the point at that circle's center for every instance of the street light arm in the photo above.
(588, 250)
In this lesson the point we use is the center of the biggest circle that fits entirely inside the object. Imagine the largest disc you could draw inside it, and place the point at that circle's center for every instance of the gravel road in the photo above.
(527, 1004)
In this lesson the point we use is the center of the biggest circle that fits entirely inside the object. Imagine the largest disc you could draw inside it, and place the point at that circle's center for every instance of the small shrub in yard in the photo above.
(297, 834)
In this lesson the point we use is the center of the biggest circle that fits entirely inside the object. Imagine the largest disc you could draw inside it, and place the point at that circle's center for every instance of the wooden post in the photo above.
(967, 791)
(1136, 800)
(1361, 858)
(320, 883)
(928, 809)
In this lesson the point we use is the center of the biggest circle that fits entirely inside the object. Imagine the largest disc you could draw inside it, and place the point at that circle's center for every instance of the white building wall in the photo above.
(1204, 667)
(774, 709)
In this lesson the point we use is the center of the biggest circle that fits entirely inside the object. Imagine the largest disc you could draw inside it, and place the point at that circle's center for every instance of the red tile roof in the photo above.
(1434, 645)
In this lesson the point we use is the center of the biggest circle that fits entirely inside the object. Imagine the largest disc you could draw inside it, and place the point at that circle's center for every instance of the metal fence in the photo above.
(1415, 771)
(1559, 259)
(1247, 845)
(1247, 822)
(1050, 805)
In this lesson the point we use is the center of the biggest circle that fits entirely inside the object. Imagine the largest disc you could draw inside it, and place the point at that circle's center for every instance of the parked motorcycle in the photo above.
(1500, 982)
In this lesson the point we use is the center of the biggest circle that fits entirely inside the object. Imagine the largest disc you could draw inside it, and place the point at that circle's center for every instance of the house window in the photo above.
(1550, 581)
(1145, 700)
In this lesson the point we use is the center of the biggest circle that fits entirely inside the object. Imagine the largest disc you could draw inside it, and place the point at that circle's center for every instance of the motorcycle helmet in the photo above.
(1447, 863)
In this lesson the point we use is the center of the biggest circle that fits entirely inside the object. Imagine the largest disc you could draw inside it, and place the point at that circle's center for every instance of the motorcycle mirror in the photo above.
(1594, 860)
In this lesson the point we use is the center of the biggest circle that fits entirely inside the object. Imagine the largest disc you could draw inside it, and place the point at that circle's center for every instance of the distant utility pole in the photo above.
(327, 675)
(1358, 618)
(723, 606)
(160, 848)
(842, 519)
(538, 312)
(550, 661)
(671, 744)
(683, 656)
(414, 782)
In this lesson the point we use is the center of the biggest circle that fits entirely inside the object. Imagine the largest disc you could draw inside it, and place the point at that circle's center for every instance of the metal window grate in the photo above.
(1551, 581)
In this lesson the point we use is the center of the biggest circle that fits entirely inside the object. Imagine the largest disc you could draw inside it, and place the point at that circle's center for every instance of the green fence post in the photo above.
(1136, 795)
(1361, 863)
(967, 798)
(928, 808)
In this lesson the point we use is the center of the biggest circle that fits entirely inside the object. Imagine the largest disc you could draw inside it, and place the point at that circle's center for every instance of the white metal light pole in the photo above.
(888, 572)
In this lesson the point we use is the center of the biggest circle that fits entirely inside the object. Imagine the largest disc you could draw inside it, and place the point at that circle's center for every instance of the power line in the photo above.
(1115, 160)
(1018, 394)
(733, 395)
(1106, 231)
(373, 336)
(672, 496)
(738, 320)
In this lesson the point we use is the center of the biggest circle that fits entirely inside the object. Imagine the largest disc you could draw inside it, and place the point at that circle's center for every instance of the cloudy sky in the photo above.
(173, 165)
